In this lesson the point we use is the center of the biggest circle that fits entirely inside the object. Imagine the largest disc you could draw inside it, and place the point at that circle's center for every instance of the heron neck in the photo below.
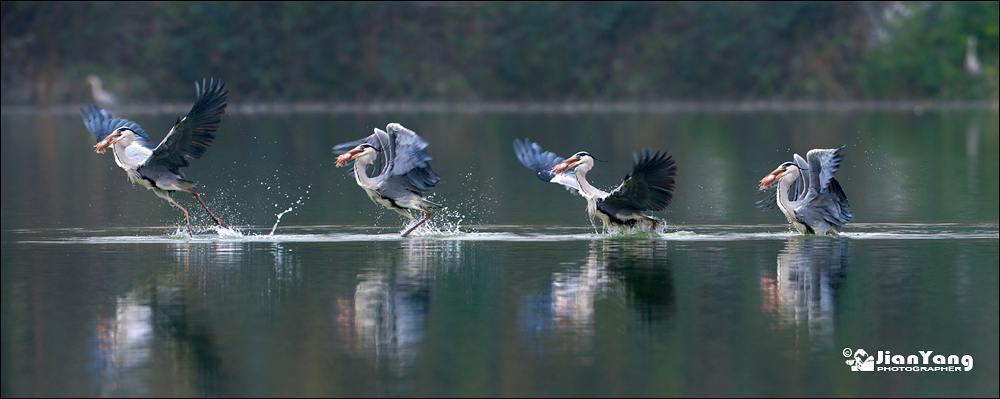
(588, 191)
(360, 175)
(123, 160)
(784, 203)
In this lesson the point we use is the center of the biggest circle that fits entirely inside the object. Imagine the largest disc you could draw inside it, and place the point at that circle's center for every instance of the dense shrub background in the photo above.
(500, 51)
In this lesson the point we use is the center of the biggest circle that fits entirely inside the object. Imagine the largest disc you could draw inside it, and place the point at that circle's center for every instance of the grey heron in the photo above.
(405, 175)
(648, 188)
(157, 167)
(818, 204)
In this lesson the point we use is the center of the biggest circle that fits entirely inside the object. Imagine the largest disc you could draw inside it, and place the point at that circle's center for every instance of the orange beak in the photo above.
(107, 142)
(349, 156)
(562, 166)
(771, 178)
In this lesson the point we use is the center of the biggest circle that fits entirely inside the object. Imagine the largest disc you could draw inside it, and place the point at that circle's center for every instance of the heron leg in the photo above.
(418, 224)
(217, 220)
(186, 217)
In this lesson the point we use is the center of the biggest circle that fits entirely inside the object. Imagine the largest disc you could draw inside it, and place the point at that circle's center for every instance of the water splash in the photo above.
(180, 232)
(279, 220)
(431, 228)
(290, 208)
(228, 232)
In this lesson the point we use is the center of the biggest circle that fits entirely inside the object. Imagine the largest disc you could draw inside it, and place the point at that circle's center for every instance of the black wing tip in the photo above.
(660, 163)
(210, 85)
(658, 171)
(211, 93)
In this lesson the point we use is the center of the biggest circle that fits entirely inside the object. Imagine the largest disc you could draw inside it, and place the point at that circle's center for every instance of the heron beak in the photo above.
(107, 142)
(564, 165)
(771, 178)
(349, 156)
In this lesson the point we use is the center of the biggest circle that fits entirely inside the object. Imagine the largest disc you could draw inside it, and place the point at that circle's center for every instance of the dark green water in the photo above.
(515, 294)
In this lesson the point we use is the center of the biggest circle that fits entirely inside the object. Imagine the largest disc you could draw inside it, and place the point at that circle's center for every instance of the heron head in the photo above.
(580, 158)
(773, 177)
(355, 153)
(123, 134)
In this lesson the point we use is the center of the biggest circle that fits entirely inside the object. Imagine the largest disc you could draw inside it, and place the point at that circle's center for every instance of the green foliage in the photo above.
(498, 51)
(924, 55)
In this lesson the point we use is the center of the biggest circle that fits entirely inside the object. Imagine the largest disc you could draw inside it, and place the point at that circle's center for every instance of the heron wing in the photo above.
(192, 134)
(831, 206)
(801, 186)
(101, 124)
(649, 187)
(769, 202)
(825, 198)
(408, 160)
(839, 208)
(541, 162)
(823, 164)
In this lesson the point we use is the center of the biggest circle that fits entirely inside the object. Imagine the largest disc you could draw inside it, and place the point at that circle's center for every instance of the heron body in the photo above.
(381, 193)
(648, 188)
(157, 166)
(818, 204)
(405, 177)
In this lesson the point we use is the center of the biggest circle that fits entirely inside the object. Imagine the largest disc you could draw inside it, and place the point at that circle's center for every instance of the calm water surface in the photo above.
(514, 292)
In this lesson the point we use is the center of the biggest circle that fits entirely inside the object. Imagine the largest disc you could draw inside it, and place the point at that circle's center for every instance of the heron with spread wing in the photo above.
(404, 176)
(157, 166)
(649, 187)
(818, 204)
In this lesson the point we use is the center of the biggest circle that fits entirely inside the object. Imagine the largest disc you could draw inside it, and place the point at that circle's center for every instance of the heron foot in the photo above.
(418, 224)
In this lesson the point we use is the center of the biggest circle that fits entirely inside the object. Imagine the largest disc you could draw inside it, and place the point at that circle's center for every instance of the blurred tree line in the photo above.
(500, 51)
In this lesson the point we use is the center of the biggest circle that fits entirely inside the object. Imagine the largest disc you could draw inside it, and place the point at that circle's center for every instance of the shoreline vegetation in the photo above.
(572, 107)
(504, 56)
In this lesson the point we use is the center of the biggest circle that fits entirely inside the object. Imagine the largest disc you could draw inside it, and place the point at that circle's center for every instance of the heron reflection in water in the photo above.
(636, 274)
(124, 344)
(384, 318)
(802, 290)
(818, 204)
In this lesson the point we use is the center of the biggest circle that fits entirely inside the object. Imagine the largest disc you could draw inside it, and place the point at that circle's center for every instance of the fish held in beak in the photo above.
(770, 179)
(562, 166)
(107, 142)
(346, 157)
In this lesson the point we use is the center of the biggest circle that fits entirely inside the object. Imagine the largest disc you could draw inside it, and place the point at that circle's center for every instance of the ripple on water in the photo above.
(334, 233)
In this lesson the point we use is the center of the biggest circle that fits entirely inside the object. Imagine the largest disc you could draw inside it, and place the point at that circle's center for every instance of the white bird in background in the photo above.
(972, 65)
(102, 98)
